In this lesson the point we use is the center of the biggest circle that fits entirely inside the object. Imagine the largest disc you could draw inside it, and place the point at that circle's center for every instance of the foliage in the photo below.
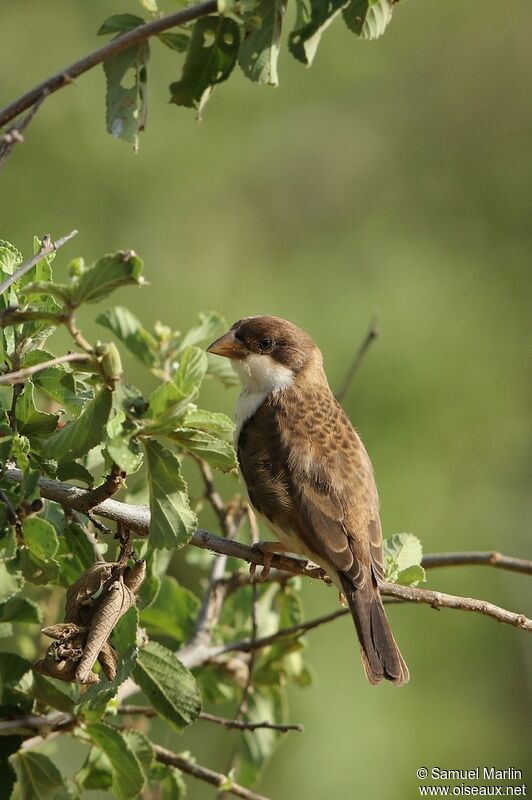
(243, 32)
(82, 421)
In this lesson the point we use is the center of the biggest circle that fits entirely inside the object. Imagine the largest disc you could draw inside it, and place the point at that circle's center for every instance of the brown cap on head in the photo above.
(273, 336)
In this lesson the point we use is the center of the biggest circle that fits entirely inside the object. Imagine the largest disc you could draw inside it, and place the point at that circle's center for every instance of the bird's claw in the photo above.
(267, 550)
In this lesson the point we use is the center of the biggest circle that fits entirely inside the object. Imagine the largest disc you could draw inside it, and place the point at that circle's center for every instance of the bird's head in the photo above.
(266, 352)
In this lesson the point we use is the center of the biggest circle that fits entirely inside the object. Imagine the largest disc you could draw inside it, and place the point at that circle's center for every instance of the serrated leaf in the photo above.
(221, 370)
(20, 609)
(120, 23)
(314, 17)
(59, 291)
(172, 521)
(215, 451)
(130, 332)
(40, 537)
(82, 434)
(168, 685)
(368, 18)
(191, 370)
(10, 257)
(211, 57)
(173, 613)
(54, 693)
(141, 746)
(259, 50)
(128, 779)
(402, 557)
(96, 772)
(127, 105)
(55, 382)
(107, 274)
(209, 421)
(211, 325)
(31, 421)
(38, 777)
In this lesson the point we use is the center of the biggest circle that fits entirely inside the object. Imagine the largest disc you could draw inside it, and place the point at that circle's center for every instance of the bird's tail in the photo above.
(381, 657)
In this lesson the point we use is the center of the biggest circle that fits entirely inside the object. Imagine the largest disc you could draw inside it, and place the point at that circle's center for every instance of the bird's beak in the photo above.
(228, 346)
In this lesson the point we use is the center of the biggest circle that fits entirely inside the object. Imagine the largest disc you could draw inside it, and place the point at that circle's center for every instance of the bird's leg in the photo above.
(268, 549)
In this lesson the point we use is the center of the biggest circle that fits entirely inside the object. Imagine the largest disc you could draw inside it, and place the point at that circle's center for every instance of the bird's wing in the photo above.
(308, 472)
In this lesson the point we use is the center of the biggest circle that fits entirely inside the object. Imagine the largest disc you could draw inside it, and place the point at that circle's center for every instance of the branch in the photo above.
(137, 518)
(47, 247)
(185, 764)
(489, 558)
(110, 486)
(14, 134)
(370, 336)
(134, 37)
(149, 712)
(22, 374)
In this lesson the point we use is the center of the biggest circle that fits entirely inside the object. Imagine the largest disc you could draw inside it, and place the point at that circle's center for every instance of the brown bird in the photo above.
(308, 473)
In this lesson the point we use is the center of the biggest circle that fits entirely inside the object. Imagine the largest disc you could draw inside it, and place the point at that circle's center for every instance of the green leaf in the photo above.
(210, 326)
(313, 18)
(168, 685)
(96, 772)
(256, 747)
(55, 382)
(40, 537)
(402, 558)
(127, 777)
(120, 23)
(221, 370)
(172, 783)
(59, 291)
(172, 521)
(175, 41)
(82, 434)
(11, 581)
(54, 693)
(30, 421)
(173, 613)
(191, 370)
(109, 273)
(6, 442)
(260, 48)
(10, 257)
(130, 332)
(14, 671)
(20, 609)
(141, 746)
(209, 421)
(368, 18)
(211, 57)
(72, 471)
(127, 105)
(6, 629)
(38, 777)
(78, 544)
(217, 452)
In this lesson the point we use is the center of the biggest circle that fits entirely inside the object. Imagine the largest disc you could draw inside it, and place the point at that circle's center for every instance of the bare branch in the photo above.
(27, 372)
(14, 134)
(149, 712)
(185, 764)
(47, 247)
(134, 37)
(489, 558)
(370, 336)
(110, 486)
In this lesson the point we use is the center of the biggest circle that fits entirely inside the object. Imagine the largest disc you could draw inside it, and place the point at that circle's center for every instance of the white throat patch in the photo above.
(260, 375)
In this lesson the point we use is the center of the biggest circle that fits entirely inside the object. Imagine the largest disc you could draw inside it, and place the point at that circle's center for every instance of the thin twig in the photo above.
(138, 519)
(27, 372)
(47, 247)
(370, 336)
(134, 37)
(14, 134)
(488, 558)
(110, 486)
(149, 712)
(185, 764)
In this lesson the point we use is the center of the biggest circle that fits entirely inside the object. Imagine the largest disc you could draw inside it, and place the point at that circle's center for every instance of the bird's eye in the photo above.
(266, 345)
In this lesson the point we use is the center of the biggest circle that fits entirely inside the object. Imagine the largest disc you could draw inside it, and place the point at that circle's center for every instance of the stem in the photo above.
(134, 37)
(27, 372)
(47, 247)
(370, 336)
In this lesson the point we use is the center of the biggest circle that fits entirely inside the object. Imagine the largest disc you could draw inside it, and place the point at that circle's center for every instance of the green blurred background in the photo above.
(393, 176)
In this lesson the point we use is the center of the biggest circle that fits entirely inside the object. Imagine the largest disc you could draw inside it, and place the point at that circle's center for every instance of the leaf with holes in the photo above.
(313, 18)
(368, 18)
(260, 48)
(211, 57)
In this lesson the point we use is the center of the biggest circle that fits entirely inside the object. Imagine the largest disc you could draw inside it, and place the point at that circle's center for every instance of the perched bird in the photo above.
(308, 473)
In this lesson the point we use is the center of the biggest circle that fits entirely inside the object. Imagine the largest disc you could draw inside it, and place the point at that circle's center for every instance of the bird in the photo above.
(308, 474)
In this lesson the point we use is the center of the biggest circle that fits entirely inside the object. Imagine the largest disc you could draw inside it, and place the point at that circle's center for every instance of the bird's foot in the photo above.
(267, 549)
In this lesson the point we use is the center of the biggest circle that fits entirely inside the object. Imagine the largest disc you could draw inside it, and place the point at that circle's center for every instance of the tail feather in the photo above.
(381, 657)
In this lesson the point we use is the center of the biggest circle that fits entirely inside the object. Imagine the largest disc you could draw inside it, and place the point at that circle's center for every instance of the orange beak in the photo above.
(228, 346)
